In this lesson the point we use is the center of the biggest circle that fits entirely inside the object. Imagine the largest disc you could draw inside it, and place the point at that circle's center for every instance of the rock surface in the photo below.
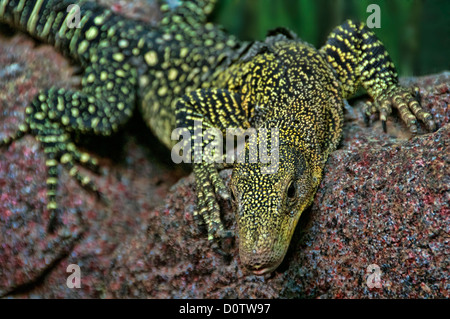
(383, 201)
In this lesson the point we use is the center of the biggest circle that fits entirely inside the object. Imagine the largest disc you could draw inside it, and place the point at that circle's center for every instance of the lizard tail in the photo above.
(70, 26)
(33, 17)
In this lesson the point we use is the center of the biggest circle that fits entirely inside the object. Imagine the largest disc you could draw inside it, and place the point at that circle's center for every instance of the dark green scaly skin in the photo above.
(186, 70)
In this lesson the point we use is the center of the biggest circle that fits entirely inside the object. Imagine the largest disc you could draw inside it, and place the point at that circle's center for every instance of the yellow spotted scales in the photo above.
(186, 69)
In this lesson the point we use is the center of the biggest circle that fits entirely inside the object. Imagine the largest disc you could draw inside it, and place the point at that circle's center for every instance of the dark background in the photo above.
(416, 33)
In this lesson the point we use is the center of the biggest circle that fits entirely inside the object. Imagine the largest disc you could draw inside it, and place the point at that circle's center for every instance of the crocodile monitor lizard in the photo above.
(187, 70)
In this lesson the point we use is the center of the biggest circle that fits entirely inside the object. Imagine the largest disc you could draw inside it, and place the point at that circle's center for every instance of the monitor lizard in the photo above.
(186, 70)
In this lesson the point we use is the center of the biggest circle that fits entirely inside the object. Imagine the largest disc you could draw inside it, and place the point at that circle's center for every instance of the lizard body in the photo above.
(188, 70)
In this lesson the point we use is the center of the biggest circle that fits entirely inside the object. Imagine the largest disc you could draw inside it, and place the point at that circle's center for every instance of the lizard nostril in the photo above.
(233, 197)
(257, 266)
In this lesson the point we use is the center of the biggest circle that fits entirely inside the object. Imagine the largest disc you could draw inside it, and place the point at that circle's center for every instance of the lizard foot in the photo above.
(208, 184)
(406, 102)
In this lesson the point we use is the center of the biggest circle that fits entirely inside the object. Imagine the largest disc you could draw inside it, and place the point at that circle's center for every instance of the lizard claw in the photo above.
(54, 221)
(208, 184)
(405, 101)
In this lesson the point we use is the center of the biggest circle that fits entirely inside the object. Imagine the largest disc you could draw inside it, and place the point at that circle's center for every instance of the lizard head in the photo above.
(268, 205)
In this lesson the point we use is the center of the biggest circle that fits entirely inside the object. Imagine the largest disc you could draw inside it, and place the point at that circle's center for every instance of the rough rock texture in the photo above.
(383, 200)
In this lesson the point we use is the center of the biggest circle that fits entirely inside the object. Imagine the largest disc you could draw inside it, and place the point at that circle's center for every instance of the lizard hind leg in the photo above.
(104, 104)
(193, 10)
(58, 149)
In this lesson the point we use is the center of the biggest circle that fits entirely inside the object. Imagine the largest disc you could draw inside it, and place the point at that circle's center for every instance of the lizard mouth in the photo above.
(260, 272)
(262, 269)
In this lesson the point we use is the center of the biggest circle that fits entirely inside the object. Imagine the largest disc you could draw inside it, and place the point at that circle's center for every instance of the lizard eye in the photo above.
(291, 192)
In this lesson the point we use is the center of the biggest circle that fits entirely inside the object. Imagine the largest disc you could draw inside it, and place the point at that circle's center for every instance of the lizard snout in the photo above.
(259, 260)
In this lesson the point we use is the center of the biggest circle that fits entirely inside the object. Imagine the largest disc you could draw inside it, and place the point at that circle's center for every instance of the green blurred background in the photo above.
(415, 32)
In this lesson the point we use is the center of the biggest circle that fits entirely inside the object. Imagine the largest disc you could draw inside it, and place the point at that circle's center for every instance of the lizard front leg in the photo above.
(359, 58)
(214, 108)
